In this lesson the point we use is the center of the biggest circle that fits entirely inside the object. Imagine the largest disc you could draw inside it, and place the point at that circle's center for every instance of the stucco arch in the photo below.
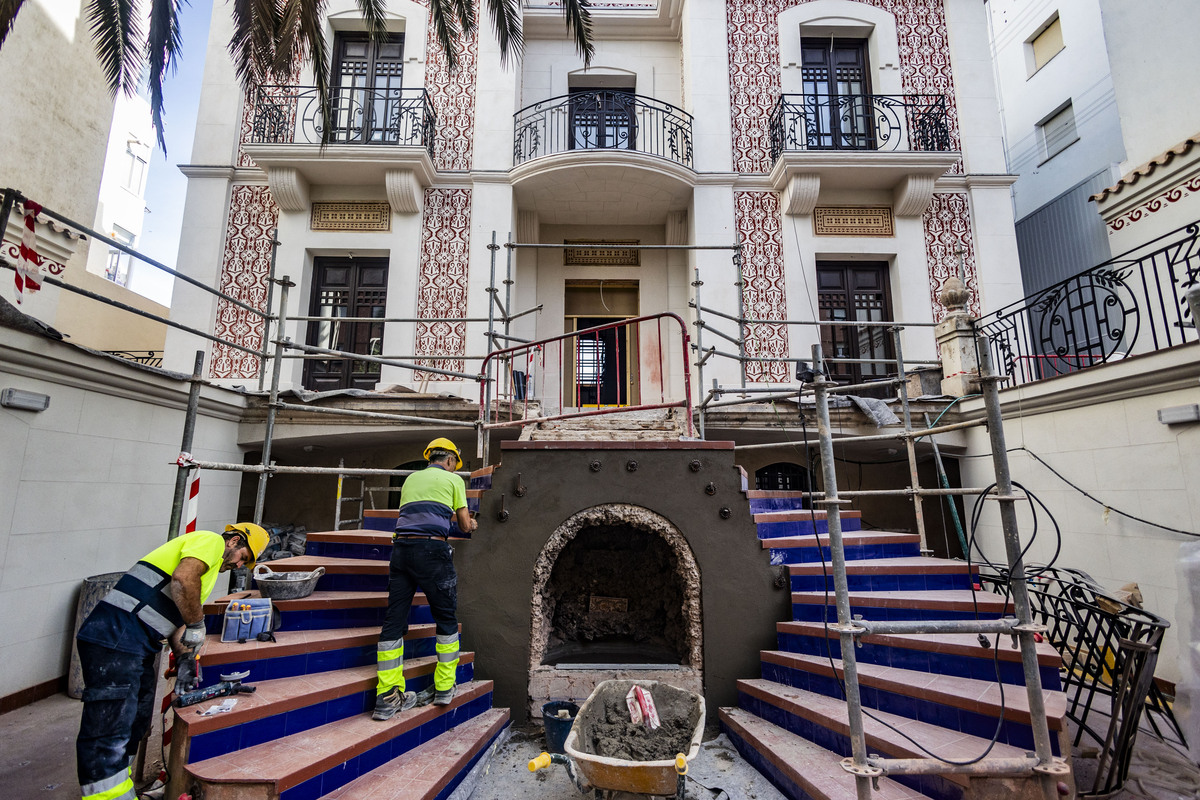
(841, 19)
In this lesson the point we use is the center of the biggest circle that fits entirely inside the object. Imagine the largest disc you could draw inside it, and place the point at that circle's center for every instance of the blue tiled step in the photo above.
(857, 545)
(325, 610)
(823, 721)
(948, 654)
(290, 705)
(796, 766)
(779, 524)
(762, 501)
(307, 765)
(306, 652)
(341, 574)
(451, 756)
(376, 545)
(917, 573)
(960, 704)
(481, 479)
(937, 605)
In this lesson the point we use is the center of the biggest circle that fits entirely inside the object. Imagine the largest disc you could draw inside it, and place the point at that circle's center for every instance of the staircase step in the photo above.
(823, 720)
(857, 545)
(307, 765)
(780, 524)
(763, 501)
(962, 704)
(481, 478)
(307, 652)
(376, 545)
(384, 519)
(919, 573)
(341, 574)
(796, 766)
(957, 654)
(323, 610)
(432, 770)
(290, 705)
(935, 605)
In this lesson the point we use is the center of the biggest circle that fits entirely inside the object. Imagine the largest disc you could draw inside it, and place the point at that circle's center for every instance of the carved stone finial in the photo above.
(954, 294)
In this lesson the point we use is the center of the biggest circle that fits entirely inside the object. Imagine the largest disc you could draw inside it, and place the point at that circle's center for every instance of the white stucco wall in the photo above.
(86, 486)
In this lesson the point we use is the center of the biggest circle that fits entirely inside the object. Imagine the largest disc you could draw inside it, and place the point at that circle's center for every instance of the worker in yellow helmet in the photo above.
(432, 502)
(160, 598)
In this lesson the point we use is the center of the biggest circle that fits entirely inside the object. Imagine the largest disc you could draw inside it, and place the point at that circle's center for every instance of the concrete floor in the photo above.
(37, 762)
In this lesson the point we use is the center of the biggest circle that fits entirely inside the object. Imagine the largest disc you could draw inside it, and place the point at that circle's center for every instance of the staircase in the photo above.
(940, 690)
(306, 732)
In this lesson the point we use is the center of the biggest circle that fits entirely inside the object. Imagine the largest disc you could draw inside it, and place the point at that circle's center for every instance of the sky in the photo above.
(166, 187)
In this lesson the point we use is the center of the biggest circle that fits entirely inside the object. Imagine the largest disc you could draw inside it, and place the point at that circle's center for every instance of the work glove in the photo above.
(193, 635)
(187, 666)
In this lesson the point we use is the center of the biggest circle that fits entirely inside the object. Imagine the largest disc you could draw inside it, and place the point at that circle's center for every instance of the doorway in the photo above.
(603, 118)
(346, 287)
(601, 368)
(856, 291)
(837, 94)
(366, 102)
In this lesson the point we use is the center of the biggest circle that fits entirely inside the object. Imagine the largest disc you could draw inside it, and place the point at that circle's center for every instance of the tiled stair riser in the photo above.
(804, 527)
(377, 552)
(892, 582)
(933, 786)
(319, 618)
(248, 734)
(764, 765)
(344, 773)
(812, 612)
(349, 582)
(310, 663)
(973, 723)
(769, 505)
(980, 668)
(854, 552)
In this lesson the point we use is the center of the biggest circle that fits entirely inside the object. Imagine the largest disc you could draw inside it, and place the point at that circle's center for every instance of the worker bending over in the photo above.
(160, 597)
(431, 502)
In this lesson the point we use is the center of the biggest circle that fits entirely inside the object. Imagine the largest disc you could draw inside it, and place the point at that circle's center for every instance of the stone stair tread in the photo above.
(832, 712)
(813, 768)
(291, 760)
(289, 643)
(965, 693)
(945, 599)
(948, 643)
(848, 538)
(334, 565)
(316, 600)
(884, 566)
(801, 515)
(423, 772)
(285, 694)
(351, 536)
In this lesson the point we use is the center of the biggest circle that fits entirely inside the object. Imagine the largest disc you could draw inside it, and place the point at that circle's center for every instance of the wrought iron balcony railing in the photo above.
(1133, 303)
(602, 120)
(903, 122)
(292, 115)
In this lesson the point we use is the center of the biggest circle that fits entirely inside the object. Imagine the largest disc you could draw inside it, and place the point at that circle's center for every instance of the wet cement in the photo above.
(611, 733)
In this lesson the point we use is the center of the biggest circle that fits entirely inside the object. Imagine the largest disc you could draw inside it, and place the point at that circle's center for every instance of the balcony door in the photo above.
(837, 94)
(602, 118)
(346, 287)
(601, 368)
(366, 90)
(856, 291)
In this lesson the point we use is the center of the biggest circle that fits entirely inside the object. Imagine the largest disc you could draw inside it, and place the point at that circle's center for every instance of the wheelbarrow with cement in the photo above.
(596, 731)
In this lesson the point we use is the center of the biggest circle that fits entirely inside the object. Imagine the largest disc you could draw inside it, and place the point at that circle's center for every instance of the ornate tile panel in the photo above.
(1155, 204)
(452, 96)
(760, 231)
(947, 228)
(442, 283)
(245, 267)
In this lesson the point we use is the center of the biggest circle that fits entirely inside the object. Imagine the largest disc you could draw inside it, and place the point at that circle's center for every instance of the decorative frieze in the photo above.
(853, 221)
(601, 257)
(351, 217)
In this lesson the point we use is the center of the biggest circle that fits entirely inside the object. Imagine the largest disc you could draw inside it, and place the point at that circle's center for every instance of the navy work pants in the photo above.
(118, 705)
(425, 565)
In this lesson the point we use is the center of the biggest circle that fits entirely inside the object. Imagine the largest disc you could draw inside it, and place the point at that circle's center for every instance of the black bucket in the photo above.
(558, 727)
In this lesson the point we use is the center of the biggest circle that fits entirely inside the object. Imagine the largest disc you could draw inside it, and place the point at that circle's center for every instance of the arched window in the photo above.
(782, 476)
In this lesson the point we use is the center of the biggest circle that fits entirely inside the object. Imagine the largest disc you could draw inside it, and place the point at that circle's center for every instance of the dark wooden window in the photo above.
(603, 118)
(346, 287)
(782, 476)
(856, 291)
(836, 94)
(365, 97)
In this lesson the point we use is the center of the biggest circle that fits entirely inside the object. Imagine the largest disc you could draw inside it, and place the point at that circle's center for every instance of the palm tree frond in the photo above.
(372, 12)
(445, 28)
(506, 20)
(117, 31)
(163, 44)
(465, 10)
(579, 24)
(8, 16)
(252, 45)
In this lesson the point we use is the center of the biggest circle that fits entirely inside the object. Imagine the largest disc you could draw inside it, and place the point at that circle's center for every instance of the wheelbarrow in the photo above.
(604, 775)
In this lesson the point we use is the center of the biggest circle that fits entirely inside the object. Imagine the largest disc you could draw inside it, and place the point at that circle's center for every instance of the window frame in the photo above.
(1031, 47)
(1068, 140)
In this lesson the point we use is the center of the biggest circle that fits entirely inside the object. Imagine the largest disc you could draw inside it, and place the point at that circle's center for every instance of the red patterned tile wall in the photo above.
(245, 267)
(452, 96)
(760, 231)
(442, 283)
(947, 229)
(754, 78)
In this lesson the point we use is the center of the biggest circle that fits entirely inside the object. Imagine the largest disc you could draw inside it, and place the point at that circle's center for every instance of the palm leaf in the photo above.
(506, 20)
(579, 24)
(372, 12)
(444, 15)
(256, 27)
(8, 16)
(163, 44)
(117, 31)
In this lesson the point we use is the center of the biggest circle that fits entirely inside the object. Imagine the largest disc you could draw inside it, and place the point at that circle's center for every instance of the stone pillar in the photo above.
(956, 341)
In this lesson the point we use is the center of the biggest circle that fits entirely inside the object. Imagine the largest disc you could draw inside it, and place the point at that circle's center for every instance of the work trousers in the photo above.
(423, 564)
(118, 705)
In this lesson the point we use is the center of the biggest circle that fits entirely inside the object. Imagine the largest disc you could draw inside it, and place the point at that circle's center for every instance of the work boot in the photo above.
(442, 697)
(391, 701)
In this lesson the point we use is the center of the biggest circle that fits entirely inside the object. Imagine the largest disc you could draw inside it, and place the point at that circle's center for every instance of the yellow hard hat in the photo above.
(442, 443)
(255, 536)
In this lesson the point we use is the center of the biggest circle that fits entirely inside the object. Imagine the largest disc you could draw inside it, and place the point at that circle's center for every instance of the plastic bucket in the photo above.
(558, 727)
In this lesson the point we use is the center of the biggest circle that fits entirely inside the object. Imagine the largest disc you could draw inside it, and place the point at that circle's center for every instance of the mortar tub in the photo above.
(615, 774)
(286, 585)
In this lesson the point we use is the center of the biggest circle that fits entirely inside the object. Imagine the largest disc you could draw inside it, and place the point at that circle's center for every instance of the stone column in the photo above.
(956, 341)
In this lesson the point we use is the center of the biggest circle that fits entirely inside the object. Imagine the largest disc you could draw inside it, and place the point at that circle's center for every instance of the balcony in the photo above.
(375, 135)
(896, 142)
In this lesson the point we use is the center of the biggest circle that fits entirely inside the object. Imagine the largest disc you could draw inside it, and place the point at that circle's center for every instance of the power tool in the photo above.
(230, 684)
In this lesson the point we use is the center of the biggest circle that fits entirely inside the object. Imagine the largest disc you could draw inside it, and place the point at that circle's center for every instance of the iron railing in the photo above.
(602, 120)
(150, 358)
(1132, 303)
(293, 115)
(900, 122)
(1109, 650)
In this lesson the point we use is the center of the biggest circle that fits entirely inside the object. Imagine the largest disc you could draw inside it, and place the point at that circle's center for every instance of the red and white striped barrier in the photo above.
(193, 503)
